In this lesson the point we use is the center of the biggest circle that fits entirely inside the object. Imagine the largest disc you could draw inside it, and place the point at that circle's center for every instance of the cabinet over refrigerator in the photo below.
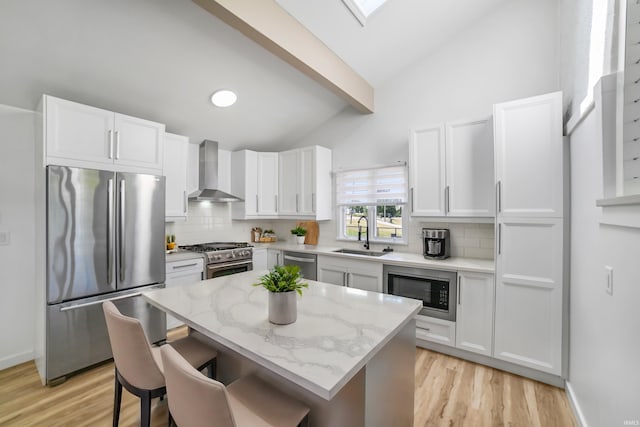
(105, 241)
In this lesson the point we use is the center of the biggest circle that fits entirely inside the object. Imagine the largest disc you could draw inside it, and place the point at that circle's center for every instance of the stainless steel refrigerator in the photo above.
(105, 241)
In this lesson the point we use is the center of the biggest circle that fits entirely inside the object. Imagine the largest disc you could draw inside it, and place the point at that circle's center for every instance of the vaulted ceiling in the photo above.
(162, 59)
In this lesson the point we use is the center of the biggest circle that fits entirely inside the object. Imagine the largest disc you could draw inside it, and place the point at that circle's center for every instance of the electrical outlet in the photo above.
(5, 238)
(609, 279)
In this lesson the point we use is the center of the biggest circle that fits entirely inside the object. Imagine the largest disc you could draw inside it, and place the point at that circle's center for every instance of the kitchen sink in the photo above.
(359, 252)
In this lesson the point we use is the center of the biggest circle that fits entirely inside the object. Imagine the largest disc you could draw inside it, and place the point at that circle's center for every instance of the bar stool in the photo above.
(197, 401)
(138, 365)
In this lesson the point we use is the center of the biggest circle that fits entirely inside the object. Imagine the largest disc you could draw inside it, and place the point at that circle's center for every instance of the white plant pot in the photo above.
(283, 307)
(300, 240)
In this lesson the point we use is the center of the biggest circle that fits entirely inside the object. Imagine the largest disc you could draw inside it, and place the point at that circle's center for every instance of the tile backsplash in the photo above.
(211, 222)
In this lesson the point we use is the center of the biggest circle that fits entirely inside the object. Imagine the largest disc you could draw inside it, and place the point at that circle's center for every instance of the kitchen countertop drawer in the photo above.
(185, 266)
(436, 330)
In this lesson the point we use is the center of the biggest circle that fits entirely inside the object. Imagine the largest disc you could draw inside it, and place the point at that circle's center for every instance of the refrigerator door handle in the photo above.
(110, 232)
(89, 304)
(122, 229)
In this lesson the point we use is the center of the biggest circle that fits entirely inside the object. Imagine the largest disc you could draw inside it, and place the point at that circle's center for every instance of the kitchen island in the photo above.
(350, 355)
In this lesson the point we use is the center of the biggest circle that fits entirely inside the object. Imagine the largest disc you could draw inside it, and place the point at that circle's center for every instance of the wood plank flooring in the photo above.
(449, 392)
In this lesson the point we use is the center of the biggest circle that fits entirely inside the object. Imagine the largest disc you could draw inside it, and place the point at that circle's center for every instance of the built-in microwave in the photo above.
(436, 289)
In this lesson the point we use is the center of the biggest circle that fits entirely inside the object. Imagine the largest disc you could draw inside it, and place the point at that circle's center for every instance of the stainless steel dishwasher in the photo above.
(307, 263)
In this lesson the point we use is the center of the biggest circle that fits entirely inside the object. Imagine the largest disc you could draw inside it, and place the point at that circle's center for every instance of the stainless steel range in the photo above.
(224, 258)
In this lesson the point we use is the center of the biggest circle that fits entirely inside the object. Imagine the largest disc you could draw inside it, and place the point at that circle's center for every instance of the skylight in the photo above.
(361, 9)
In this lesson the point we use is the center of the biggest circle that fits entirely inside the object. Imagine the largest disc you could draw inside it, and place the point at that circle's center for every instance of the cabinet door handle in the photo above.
(176, 267)
(256, 203)
(446, 199)
(110, 144)
(275, 198)
(297, 209)
(499, 195)
(499, 238)
(459, 292)
(184, 203)
(412, 210)
(313, 202)
(344, 279)
(117, 145)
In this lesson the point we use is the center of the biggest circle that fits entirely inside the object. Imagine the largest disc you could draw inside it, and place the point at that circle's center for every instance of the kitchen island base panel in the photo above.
(379, 395)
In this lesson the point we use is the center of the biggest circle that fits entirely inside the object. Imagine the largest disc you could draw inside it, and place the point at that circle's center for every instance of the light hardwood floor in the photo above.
(449, 392)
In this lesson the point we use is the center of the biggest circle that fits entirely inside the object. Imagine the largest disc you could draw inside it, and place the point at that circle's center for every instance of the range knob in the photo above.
(217, 257)
(230, 255)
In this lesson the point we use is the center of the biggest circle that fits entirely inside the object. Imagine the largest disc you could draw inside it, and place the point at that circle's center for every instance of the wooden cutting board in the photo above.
(313, 232)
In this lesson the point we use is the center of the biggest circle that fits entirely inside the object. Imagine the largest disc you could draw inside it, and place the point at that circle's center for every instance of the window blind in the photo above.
(376, 186)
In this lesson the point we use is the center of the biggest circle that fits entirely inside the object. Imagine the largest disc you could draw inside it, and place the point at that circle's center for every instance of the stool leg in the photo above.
(145, 409)
(117, 399)
(212, 368)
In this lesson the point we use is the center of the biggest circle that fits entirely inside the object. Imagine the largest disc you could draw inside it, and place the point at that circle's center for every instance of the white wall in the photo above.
(17, 279)
(511, 53)
(604, 367)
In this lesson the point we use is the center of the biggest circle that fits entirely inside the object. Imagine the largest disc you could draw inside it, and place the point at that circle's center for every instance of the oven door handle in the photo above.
(235, 264)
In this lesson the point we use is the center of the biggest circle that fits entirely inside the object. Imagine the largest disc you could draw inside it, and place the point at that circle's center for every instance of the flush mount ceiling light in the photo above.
(223, 98)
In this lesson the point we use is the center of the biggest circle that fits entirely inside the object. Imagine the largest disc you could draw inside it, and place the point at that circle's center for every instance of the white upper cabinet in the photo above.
(267, 196)
(529, 153)
(469, 169)
(138, 142)
(451, 169)
(305, 183)
(175, 170)
(427, 171)
(254, 178)
(83, 136)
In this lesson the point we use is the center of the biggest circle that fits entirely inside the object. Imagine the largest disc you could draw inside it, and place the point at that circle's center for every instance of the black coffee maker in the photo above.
(436, 243)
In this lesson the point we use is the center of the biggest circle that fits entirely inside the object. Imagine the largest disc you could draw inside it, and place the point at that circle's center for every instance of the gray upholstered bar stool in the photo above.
(197, 401)
(138, 365)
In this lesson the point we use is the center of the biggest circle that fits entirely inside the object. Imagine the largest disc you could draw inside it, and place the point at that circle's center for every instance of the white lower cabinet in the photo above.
(436, 330)
(529, 286)
(260, 258)
(474, 316)
(183, 272)
(274, 257)
(365, 275)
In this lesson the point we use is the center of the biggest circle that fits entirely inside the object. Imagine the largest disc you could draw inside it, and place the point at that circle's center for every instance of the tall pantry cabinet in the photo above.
(530, 244)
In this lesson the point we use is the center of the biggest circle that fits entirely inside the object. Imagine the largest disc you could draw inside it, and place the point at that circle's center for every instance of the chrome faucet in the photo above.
(366, 243)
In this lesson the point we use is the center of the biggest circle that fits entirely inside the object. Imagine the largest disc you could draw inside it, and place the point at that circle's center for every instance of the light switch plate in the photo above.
(609, 279)
(5, 238)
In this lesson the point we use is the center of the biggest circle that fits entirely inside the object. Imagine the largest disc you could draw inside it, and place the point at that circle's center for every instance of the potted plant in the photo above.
(299, 232)
(171, 242)
(283, 282)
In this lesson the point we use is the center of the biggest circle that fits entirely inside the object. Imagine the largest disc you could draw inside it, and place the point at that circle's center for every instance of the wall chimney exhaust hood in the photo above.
(208, 182)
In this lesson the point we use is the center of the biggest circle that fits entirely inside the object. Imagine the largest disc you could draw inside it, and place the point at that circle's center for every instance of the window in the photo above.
(361, 9)
(373, 200)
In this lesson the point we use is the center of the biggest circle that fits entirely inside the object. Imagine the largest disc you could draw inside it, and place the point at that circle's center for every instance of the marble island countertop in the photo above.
(395, 258)
(338, 330)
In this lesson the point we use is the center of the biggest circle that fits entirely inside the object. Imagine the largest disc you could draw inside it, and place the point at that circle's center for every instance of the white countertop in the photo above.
(182, 255)
(337, 332)
(393, 258)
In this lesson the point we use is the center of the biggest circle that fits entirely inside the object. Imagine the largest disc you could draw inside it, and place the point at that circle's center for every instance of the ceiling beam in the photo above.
(269, 25)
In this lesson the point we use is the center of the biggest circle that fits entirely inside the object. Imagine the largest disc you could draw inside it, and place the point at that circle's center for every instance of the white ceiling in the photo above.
(162, 59)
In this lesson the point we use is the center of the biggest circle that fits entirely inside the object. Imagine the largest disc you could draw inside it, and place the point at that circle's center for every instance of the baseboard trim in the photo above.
(575, 407)
(15, 359)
